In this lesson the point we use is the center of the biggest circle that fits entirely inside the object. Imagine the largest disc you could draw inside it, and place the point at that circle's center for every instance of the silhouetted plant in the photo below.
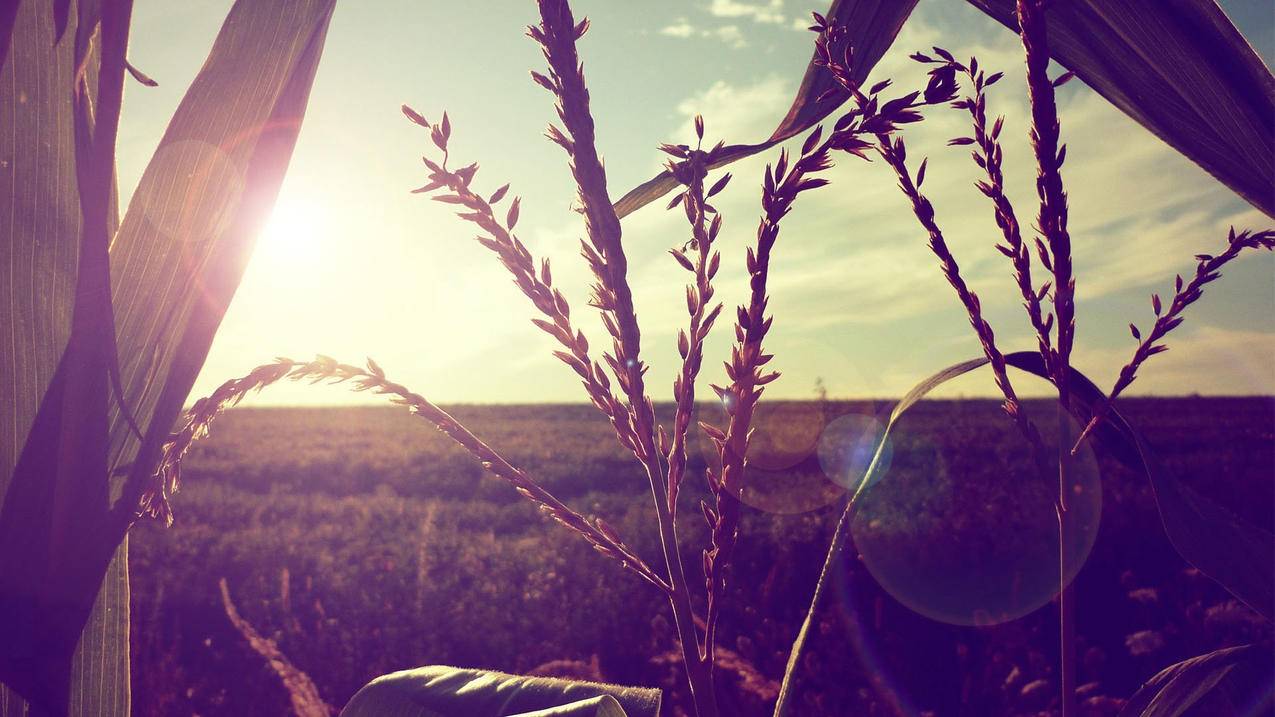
(871, 126)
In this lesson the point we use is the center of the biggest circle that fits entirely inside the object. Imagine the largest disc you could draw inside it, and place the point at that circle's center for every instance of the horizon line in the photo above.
(838, 399)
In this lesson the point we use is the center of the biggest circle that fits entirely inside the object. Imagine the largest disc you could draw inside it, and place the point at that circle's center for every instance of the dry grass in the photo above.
(304, 696)
(691, 172)
(989, 156)
(1054, 327)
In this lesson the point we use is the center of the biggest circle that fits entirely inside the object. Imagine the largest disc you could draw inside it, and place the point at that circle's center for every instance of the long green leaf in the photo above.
(173, 267)
(454, 692)
(783, 706)
(872, 24)
(1182, 70)
(1219, 684)
(60, 92)
(1237, 554)
(191, 226)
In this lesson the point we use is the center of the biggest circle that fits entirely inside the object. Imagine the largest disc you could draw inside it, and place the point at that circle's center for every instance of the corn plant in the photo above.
(63, 518)
(110, 317)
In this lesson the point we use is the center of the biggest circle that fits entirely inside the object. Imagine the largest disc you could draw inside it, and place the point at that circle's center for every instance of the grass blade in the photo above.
(61, 80)
(1237, 554)
(1217, 684)
(841, 533)
(186, 238)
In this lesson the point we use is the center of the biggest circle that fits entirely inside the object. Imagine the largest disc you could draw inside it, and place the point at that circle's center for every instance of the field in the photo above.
(363, 542)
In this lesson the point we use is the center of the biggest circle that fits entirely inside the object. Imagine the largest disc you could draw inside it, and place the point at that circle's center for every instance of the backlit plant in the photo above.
(615, 382)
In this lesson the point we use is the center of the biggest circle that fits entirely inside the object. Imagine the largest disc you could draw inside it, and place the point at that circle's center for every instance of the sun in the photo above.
(295, 232)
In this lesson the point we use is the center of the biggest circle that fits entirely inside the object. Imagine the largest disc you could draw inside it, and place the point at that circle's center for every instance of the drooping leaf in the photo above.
(454, 692)
(1235, 553)
(872, 26)
(1182, 70)
(1219, 684)
(783, 706)
(63, 583)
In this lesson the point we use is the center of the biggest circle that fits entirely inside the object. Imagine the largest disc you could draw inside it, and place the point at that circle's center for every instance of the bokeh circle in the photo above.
(963, 528)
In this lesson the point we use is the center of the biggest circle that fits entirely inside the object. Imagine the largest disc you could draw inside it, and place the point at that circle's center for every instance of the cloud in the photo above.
(735, 112)
(681, 28)
(728, 34)
(769, 13)
(764, 12)
(1206, 360)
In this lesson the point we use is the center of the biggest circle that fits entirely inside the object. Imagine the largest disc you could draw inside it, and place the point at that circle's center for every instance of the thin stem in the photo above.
(781, 187)
(1066, 592)
(1052, 222)
(455, 188)
(690, 342)
(557, 34)
(989, 157)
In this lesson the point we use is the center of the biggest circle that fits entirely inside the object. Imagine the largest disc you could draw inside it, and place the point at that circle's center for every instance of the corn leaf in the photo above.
(191, 226)
(1178, 67)
(171, 266)
(1182, 70)
(872, 24)
(1238, 555)
(1219, 684)
(61, 84)
(454, 692)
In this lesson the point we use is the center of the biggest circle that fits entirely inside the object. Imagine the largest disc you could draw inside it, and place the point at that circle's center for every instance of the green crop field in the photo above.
(362, 542)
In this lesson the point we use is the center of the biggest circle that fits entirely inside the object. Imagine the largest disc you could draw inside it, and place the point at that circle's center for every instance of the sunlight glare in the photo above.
(294, 236)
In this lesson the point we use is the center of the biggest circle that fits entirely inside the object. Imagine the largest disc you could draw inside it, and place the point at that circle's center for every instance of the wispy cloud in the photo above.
(729, 34)
(1206, 359)
(765, 12)
(802, 23)
(682, 28)
(737, 113)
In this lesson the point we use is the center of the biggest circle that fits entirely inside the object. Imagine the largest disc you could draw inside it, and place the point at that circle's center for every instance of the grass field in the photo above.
(363, 542)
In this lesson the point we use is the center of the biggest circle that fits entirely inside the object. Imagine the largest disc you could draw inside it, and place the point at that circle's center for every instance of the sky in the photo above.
(352, 265)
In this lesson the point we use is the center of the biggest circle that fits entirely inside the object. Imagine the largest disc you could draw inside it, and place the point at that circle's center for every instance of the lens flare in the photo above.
(965, 531)
(783, 475)
(847, 446)
(785, 434)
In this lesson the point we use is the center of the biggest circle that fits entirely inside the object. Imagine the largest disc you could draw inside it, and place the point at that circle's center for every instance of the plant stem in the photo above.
(1066, 593)
(699, 672)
